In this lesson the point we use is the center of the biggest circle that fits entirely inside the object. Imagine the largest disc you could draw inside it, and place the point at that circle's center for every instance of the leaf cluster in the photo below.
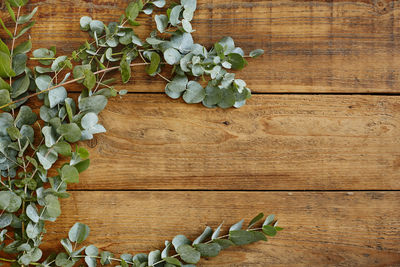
(32, 143)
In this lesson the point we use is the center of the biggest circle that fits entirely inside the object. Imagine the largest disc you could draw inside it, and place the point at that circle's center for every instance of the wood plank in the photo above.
(311, 46)
(277, 142)
(321, 228)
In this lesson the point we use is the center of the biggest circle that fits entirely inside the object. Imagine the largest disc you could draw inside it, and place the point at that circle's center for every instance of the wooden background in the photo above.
(318, 144)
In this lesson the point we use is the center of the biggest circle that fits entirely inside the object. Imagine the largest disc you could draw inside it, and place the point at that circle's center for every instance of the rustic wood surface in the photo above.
(321, 228)
(276, 142)
(316, 161)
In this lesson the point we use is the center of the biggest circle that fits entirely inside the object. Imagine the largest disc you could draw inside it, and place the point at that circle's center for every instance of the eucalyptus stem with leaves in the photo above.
(31, 144)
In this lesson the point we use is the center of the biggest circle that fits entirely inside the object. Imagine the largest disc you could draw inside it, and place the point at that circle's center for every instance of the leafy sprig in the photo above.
(31, 144)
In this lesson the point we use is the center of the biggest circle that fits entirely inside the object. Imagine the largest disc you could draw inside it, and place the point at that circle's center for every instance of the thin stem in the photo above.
(13, 40)
(7, 260)
(67, 82)
(165, 78)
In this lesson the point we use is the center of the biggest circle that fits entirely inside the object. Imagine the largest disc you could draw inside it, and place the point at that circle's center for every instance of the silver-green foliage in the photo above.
(33, 141)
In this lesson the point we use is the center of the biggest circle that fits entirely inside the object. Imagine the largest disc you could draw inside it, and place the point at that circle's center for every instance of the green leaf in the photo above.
(187, 26)
(174, 16)
(105, 257)
(63, 148)
(256, 219)
(19, 63)
(34, 229)
(83, 165)
(195, 93)
(25, 29)
(172, 56)
(10, 11)
(154, 256)
(79, 70)
(31, 212)
(4, 48)
(4, 85)
(94, 103)
(228, 44)
(71, 132)
(90, 79)
(14, 133)
(213, 96)
(237, 226)
(5, 220)
(57, 96)
(9, 201)
(159, 3)
(180, 240)
(59, 63)
(206, 233)
(256, 53)
(69, 174)
(5, 66)
(189, 4)
(188, 254)
(242, 237)
(4, 97)
(23, 48)
(269, 230)
(49, 136)
(236, 60)
(173, 261)
(52, 206)
(216, 232)
(25, 18)
(269, 219)
(132, 11)
(79, 232)
(223, 243)
(44, 53)
(85, 23)
(46, 157)
(161, 22)
(25, 116)
(5, 28)
(154, 64)
(97, 26)
(208, 250)
(125, 70)
(228, 99)
(92, 250)
(17, 3)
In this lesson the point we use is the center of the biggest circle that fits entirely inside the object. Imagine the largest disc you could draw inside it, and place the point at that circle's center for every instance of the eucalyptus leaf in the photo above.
(70, 131)
(161, 22)
(188, 254)
(79, 232)
(26, 18)
(172, 56)
(5, 66)
(20, 86)
(85, 23)
(23, 47)
(242, 237)
(52, 206)
(195, 93)
(125, 71)
(57, 96)
(256, 53)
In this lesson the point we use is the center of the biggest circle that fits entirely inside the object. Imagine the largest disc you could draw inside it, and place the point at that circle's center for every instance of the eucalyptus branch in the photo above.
(32, 195)
(66, 83)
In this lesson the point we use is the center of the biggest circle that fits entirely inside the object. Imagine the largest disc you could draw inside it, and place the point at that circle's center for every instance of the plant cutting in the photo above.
(34, 142)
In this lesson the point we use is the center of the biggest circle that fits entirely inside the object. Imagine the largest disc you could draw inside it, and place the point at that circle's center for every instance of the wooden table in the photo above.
(318, 144)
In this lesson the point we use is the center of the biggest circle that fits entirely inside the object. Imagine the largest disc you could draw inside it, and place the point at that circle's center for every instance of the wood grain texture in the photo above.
(311, 46)
(275, 142)
(321, 229)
